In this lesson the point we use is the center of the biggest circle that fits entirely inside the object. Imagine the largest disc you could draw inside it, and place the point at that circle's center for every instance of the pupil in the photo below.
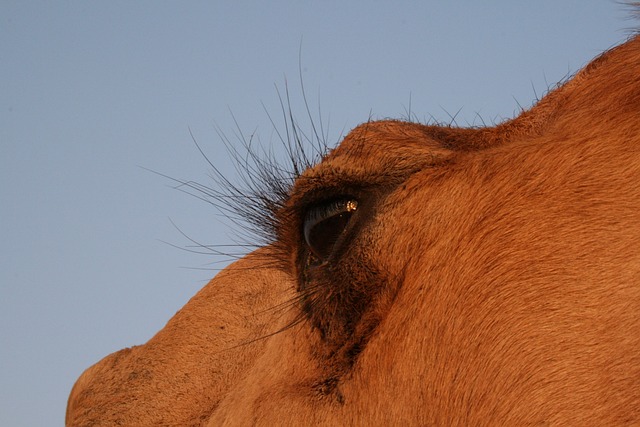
(323, 236)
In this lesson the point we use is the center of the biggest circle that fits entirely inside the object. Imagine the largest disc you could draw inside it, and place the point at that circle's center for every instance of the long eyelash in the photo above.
(251, 204)
(265, 183)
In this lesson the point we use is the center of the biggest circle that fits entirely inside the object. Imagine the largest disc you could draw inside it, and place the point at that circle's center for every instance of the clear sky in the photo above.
(91, 91)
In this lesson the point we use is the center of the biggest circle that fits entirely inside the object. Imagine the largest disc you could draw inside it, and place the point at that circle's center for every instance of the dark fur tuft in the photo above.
(264, 178)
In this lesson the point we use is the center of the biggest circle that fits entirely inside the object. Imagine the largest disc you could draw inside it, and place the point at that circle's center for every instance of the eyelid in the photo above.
(320, 212)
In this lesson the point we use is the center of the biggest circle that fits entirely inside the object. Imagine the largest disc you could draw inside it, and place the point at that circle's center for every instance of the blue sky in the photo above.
(93, 92)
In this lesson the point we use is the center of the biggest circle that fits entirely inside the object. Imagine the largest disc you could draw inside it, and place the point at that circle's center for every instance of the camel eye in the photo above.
(324, 224)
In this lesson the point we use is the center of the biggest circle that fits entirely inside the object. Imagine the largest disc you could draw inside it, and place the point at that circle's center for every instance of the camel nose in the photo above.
(182, 373)
(92, 387)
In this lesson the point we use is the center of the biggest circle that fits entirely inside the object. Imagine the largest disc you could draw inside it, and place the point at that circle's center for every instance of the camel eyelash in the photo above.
(255, 201)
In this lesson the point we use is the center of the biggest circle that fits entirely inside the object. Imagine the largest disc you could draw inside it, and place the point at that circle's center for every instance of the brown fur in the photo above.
(489, 277)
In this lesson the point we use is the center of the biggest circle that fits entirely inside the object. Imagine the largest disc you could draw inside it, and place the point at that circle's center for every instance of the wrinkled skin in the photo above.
(488, 277)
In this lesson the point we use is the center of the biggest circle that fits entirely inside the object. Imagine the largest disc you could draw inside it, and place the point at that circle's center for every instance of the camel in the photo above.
(422, 275)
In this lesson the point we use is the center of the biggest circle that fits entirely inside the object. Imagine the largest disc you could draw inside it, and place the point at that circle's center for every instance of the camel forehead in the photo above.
(377, 151)
(373, 141)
